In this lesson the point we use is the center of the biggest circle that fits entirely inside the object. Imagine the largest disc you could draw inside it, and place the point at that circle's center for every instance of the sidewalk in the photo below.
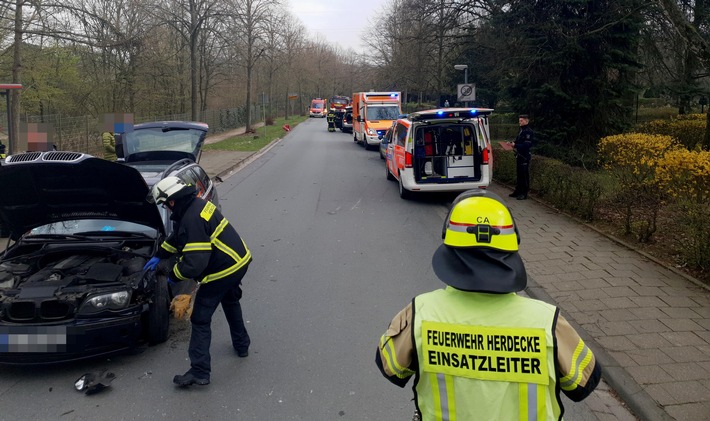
(648, 325)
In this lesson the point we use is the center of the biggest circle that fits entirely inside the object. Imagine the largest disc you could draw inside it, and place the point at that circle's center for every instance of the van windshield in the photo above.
(387, 112)
(317, 105)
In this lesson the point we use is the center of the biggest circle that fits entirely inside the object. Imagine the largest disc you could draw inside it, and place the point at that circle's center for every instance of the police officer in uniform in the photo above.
(211, 252)
(476, 348)
(523, 143)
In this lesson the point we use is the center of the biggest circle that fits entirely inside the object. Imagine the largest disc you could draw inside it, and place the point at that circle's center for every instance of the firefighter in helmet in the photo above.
(476, 348)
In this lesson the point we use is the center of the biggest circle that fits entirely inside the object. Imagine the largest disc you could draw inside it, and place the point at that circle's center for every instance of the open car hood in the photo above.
(39, 188)
(167, 141)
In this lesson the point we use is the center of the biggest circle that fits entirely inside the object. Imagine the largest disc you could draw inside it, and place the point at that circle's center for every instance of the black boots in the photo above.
(188, 379)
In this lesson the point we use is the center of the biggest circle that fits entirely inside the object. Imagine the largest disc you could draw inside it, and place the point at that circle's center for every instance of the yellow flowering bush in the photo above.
(688, 129)
(686, 174)
(632, 158)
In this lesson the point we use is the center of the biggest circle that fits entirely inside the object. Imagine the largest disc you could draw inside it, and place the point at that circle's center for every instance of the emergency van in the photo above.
(337, 105)
(318, 108)
(373, 114)
(441, 150)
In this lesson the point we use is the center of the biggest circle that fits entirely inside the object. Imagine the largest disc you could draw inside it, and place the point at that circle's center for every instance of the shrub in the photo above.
(573, 190)
(576, 190)
(633, 158)
(688, 129)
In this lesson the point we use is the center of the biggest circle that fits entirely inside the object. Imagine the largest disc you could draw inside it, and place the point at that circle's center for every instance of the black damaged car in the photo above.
(72, 283)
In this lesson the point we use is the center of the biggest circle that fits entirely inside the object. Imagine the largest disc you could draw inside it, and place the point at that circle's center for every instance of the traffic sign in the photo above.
(466, 92)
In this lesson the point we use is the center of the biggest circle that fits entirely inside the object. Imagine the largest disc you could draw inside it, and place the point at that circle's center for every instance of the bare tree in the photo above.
(190, 18)
(249, 25)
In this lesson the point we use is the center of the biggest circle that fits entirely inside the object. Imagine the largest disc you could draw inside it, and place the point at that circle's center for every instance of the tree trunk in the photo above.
(13, 143)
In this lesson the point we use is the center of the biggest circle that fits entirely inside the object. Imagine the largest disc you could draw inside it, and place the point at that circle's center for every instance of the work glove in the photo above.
(152, 263)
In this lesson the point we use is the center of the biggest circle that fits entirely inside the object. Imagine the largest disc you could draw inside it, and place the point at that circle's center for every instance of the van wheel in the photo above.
(389, 174)
(403, 193)
(355, 137)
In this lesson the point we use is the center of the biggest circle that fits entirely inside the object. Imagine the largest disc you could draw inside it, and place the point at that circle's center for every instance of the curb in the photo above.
(248, 160)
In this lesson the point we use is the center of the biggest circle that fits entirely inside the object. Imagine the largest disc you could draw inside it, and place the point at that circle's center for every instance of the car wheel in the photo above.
(159, 314)
(382, 156)
(389, 174)
(403, 193)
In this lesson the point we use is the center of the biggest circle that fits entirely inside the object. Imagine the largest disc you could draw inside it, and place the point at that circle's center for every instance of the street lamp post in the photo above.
(463, 67)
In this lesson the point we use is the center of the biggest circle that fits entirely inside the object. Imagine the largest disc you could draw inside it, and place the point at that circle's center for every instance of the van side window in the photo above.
(400, 134)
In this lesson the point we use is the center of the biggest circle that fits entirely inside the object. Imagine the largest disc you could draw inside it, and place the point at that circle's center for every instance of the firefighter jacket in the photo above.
(524, 142)
(209, 246)
(486, 356)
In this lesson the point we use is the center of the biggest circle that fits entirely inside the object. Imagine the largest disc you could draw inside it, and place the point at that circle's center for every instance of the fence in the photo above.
(83, 133)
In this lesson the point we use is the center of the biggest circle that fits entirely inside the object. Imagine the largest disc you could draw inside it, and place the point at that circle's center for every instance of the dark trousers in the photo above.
(522, 168)
(226, 291)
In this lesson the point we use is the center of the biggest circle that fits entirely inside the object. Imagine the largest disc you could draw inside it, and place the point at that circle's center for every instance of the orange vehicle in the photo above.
(319, 107)
(373, 114)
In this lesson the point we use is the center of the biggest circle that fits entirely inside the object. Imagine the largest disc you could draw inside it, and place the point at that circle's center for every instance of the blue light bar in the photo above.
(439, 113)
(474, 111)
(393, 95)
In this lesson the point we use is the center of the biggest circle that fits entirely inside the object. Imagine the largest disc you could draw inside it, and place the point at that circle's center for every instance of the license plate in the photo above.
(33, 339)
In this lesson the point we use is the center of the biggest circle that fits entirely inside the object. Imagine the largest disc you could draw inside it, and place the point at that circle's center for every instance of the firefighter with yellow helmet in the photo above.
(476, 348)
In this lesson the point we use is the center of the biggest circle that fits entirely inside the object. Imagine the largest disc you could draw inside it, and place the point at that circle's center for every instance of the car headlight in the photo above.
(111, 301)
(371, 132)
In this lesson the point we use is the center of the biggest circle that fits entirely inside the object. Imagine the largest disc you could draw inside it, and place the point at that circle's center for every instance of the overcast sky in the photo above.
(338, 21)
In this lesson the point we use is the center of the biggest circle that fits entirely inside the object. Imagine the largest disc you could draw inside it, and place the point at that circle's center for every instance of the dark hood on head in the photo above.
(37, 190)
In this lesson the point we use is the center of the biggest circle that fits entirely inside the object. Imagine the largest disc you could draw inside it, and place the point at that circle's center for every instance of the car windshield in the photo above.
(159, 139)
(383, 113)
(317, 105)
(88, 225)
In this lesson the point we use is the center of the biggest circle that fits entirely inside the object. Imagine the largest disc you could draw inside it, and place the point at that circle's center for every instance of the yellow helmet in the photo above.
(479, 218)
(480, 250)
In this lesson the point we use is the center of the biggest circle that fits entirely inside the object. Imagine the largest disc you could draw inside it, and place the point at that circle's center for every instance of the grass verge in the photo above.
(261, 137)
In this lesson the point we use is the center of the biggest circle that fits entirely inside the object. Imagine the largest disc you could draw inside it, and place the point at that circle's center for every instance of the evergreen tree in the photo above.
(571, 67)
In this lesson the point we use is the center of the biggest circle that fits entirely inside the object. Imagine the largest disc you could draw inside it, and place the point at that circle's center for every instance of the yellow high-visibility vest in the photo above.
(484, 357)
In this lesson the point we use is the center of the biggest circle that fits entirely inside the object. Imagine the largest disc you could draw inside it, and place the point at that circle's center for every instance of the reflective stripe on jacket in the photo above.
(209, 246)
(484, 356)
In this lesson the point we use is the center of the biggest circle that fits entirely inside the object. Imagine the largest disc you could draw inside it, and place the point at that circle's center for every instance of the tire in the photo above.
(158, 322)
(389, 174)
(355, 137)
(403, 193)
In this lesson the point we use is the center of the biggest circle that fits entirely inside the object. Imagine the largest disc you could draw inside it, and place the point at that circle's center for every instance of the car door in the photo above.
(399, 150)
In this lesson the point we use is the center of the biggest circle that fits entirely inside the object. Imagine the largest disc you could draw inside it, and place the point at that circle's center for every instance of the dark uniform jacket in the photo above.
(209, 246)
(524, 142)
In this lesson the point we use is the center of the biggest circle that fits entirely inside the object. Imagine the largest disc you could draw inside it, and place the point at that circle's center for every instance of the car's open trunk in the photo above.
(447, 153)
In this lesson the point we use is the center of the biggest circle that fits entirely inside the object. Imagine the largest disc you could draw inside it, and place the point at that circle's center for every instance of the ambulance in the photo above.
(319, 108)
(440, 150)
(373, 114)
